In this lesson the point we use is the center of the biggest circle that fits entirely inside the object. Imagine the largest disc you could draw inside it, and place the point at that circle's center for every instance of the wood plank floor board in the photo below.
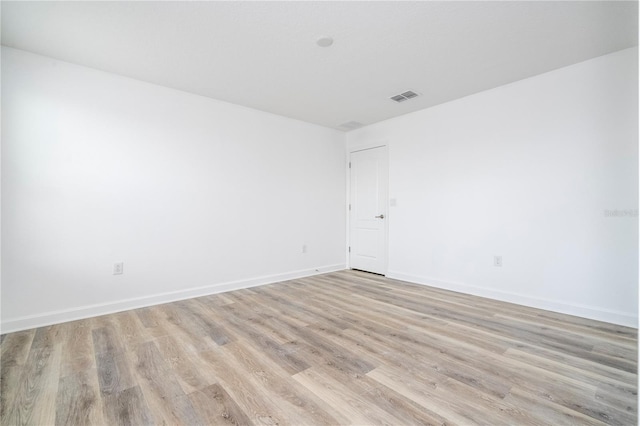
(406, 411)
(216, 407)
(188, 368)
(341, 356)
(324, 305)
(164, 396)
(285, 357)
(78, 353)
(584, 326)
(131, 330)
(107, 339)
(35, 395)
(15, 350)
(357, 408)
(425, 394)
(386, 315)
(324, 314)
(482, 405)
(550, 341)
(562, 390)
(437, 368)
(382, 323)
(78, 399)
(269, 300)
(478, 320)
(127, 408)
(612, 351)
(611, 340)
(333, 368)
(257, 405)
(191, 336)
(548, 411)
(340, 348)
(609, 389)
(151, 319)
(114, 372)
(215, 331)
(152, 370)
(277, 382)
(536, 315)
(371, 354)
(588, 365)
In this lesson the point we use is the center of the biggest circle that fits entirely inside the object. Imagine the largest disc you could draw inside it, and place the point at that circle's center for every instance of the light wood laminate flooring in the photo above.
(340, 348)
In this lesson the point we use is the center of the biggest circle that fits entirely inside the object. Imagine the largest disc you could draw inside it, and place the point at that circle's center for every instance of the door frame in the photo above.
(351, 150)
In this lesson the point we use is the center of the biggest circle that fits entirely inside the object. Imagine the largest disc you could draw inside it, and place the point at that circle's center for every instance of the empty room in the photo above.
(319, 213)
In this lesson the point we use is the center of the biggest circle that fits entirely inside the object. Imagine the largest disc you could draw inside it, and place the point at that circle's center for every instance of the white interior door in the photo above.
(368, 210)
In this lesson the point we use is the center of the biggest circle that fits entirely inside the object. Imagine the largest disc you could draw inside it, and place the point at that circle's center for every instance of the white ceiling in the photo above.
(263, 54)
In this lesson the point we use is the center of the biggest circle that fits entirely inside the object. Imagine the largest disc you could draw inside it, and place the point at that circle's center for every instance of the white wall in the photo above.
(198, 196)
(193, 195)
(525, 171)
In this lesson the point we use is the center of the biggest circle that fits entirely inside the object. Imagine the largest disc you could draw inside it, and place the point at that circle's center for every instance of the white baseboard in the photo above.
(55, 317)
(613, 317)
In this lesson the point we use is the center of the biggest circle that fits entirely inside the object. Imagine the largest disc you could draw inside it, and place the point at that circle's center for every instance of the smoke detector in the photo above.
(324, 41)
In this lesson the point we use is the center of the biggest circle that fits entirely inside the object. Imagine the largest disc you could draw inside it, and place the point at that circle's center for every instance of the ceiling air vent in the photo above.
(404, 96)
(350, 125)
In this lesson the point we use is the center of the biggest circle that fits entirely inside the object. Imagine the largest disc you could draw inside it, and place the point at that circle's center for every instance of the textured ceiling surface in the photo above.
(264, 54)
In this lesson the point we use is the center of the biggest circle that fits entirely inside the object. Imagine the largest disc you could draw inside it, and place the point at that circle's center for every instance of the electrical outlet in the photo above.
(304, 248)
(118, 268)
(497, 260)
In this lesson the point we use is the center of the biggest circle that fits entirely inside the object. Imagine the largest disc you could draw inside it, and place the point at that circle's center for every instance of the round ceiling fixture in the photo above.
(325, 41)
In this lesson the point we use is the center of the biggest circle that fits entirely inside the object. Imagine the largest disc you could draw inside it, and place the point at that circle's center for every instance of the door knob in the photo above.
(380, 217)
